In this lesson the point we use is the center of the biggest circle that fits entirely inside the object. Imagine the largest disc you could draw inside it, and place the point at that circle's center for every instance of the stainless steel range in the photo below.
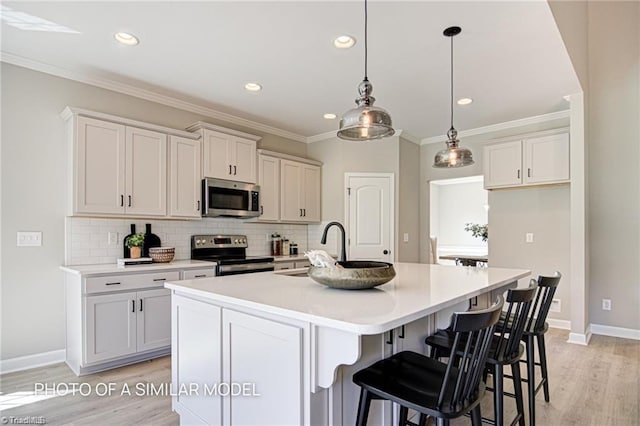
(230, 253)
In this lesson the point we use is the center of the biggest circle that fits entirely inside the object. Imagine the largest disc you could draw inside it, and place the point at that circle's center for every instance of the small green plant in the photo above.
(478, 231)
(135, 240)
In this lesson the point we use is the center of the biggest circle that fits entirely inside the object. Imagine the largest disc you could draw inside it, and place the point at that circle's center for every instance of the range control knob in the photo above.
(244, 241)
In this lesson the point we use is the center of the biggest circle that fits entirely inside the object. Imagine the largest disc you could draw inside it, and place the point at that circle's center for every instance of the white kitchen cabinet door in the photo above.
(99, 184)
(154, 319)
(196, 357)
(216, 161)
(243, 159)
(111, 326)
(503, 164)
(310, 193)
(146, 179)
(185, 177)
(275, 373)
(547, 159)
(290, 191)
(269, 181)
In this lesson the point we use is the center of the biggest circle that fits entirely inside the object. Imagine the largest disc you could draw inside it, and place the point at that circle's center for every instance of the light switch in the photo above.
(528, 237)
(29, 239)
(405, 238)
(113, 238)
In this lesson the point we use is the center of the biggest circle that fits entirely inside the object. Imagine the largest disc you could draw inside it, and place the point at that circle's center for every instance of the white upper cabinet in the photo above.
(269, 181)
(184, 177)
(146, 172)
(299, 192)
(532, 161)
(227, 154)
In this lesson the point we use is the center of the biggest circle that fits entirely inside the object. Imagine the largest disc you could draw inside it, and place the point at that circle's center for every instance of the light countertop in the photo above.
(294, 258)
(417, 290)
(112, 268)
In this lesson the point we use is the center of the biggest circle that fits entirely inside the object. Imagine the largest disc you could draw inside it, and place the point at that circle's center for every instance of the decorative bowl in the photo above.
(162, 254)
(354, 274)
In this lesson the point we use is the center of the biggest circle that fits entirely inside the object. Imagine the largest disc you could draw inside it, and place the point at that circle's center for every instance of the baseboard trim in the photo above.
(561, 324)
(580, 338)
(31, 361)
(607, 330)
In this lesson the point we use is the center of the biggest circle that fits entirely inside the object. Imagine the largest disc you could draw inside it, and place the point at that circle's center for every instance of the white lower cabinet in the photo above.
(198, 273)
(237, 385)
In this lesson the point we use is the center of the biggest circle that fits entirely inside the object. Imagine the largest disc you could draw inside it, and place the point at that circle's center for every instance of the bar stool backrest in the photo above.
(515, 319)
(473, 332)
(547, 287)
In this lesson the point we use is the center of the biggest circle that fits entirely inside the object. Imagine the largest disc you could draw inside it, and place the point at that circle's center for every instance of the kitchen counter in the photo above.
(112, 268)
(294, 344)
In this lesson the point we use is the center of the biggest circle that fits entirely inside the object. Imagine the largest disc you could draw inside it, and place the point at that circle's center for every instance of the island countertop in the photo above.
(417, 290)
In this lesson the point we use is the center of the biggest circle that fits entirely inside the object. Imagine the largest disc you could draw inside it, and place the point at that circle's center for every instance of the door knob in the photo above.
(385, 252)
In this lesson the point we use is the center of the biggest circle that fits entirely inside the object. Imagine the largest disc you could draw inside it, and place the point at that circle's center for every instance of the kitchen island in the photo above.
(274, 349)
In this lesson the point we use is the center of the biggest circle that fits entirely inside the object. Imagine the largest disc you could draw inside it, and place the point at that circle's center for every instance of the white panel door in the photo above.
(311, 193)
(243, 159)
(547, 159)
(154, 319)
(275, 370)
(185, 177)
(100, 181)
(196, 356)
(370, 217)
(269, 181)
(290, 191)
(146, 181)
(503, 164)
(111, 326)
(216, 161)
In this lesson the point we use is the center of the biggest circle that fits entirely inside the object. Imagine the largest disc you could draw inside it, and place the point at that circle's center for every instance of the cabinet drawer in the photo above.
(198, 273)
(279, 266)
(302, 264)
(128, 282)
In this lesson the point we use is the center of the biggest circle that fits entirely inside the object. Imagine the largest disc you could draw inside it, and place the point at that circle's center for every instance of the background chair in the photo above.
(442, 390)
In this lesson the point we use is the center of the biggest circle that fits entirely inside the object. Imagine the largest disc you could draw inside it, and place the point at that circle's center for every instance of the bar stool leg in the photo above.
(498, 397)
(517, 386)
(423, 420)
(531, 378)
(542, 351)
(404, 416)
(476, 416)
(363, 407)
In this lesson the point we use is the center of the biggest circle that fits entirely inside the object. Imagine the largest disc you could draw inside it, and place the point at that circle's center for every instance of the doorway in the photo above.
(454, 203)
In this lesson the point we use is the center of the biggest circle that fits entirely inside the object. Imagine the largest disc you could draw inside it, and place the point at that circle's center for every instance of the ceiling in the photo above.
(509, 58)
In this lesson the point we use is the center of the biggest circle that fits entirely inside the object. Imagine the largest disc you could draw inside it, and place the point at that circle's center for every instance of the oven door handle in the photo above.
(244, 267)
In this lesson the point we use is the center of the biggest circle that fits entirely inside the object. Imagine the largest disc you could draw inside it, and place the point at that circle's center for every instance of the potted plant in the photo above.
(134, 242)
(478, 231)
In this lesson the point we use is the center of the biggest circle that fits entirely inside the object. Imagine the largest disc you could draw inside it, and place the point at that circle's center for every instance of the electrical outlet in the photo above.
(606, 304)
(113, 239)
(528, 237)
(29, 239)
(405, 237)
(556, 306)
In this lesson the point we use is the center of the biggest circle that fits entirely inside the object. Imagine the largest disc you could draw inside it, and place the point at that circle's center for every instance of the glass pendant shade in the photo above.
(365, 121)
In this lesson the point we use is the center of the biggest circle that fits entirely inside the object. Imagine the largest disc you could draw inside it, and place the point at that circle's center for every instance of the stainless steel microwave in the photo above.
(225, 198)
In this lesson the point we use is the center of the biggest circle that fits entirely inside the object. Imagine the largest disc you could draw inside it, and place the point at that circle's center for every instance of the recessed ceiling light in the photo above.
(464, 101)
(344, 42)
(126, 38)
(330, 116)
(253, 87)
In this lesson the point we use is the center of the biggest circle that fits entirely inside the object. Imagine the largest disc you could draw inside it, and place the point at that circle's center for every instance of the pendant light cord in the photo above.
(365, 40)
(452, 82)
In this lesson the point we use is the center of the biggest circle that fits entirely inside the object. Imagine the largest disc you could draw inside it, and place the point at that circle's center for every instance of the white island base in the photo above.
(270, 349)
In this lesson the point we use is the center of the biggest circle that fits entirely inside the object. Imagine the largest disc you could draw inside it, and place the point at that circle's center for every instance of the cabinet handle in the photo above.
(529, 172)
(121, 200)
(304, 212)
(261, 210)
(129, 201)
(300, 212)
(198, 205)
(199, 276)
(140, 305)
(401, 332)
(114, 283)
(229, 168)
(518, 173)
(133, 306)
(235, 170)
(390, 341)
(159, 279)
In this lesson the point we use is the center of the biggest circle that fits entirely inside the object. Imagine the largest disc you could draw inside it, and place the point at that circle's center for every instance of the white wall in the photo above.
(34, 165)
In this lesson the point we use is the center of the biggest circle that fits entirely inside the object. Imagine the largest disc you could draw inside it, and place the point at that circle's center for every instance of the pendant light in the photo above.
(365, 121)
(453, 155)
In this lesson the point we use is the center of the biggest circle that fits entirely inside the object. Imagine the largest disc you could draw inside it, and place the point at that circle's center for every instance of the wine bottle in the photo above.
(127, 252)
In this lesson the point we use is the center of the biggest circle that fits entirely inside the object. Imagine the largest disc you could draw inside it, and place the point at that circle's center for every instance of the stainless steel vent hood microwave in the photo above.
(225, 198)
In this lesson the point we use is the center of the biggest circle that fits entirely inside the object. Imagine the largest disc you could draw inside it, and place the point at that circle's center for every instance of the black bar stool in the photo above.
(442, 390)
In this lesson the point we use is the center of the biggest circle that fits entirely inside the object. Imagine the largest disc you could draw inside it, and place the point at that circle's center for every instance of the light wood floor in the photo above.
(597, 384)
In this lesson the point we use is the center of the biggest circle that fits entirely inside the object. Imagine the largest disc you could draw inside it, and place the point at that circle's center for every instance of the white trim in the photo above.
(31, 361)
(579, 338)
(199, 125)
(537, 119)
(145, 94)
(607, 330)
(407, 136)
(289, 157)
(558, 323)
(322, 136)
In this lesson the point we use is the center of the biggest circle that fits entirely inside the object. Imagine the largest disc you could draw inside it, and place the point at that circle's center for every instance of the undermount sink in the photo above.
(354, 274)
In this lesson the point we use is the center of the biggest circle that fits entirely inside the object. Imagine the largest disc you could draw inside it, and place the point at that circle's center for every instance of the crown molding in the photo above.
(536, 119)
(333, 134)
(148, 95)
(408, 136)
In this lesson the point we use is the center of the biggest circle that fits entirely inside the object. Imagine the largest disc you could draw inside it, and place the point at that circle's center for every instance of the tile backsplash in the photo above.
(87, 239)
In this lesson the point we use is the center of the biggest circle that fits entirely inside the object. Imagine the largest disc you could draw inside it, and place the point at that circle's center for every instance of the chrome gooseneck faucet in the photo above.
(323, 240)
